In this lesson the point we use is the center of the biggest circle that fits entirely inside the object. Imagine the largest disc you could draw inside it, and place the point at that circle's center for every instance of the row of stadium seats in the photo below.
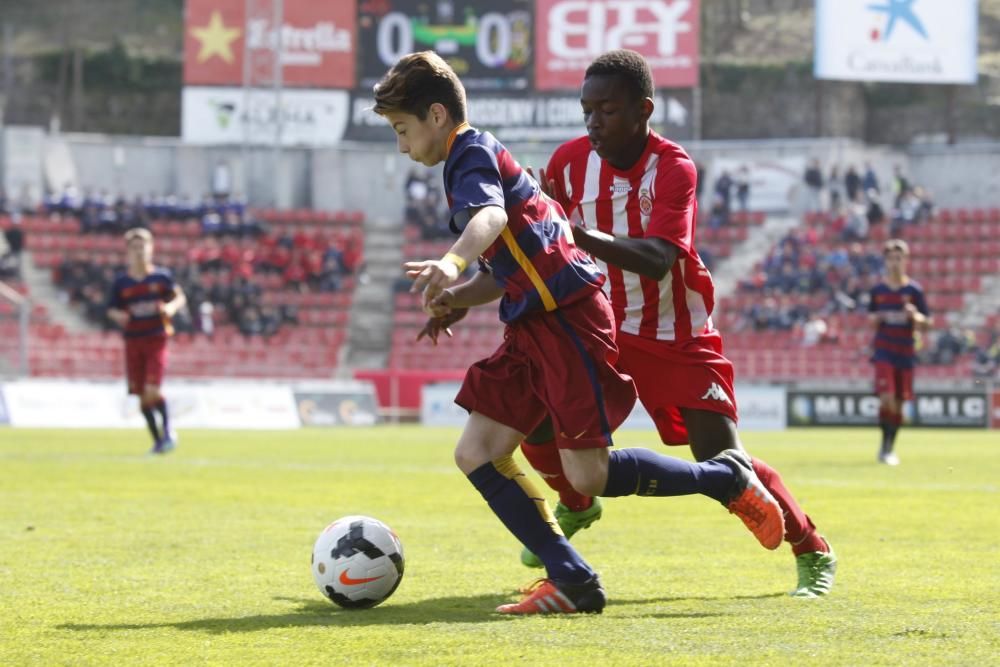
(307, 349)
(950, 266)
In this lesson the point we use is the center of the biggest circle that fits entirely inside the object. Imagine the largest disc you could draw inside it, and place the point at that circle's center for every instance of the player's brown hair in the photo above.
(416, 82)
(139, 233)
(896, 244)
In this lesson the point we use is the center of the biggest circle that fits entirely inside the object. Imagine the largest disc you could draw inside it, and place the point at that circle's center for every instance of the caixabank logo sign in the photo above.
(910, 41)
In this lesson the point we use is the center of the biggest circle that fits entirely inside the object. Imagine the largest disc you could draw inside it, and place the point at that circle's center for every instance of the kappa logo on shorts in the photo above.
(716, 393)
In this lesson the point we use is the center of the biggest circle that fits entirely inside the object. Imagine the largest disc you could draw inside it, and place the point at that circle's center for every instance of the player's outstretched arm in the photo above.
(650, 257)
(483, 227)
(171, 307)
(118, 316)
(480, 289)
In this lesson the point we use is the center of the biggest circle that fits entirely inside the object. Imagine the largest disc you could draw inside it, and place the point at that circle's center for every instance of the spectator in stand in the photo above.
(743, 188)
(814, 331)
(856, 224)
(876, 214)
(900, 185)
(813, 178)
(907, 212)
(724, 193)
(852, 183)
(834, 188)
(718, 214)
(870, 181)
(206, 318)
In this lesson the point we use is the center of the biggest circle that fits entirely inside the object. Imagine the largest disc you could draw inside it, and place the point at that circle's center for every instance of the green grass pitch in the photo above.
(108, 556)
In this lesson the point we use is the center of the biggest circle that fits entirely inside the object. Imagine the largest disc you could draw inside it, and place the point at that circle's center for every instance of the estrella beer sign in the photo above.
(316, 38)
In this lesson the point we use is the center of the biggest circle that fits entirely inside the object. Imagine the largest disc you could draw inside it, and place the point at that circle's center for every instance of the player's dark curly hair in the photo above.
(629, 66)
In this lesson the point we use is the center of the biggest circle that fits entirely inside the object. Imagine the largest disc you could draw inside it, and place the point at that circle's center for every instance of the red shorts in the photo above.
(670, 375)
(145, 361)
(559, 364)
(895, 381)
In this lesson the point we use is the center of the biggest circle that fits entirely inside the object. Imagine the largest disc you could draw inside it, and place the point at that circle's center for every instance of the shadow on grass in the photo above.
(460, 609)
(463, 609)
(686, 598)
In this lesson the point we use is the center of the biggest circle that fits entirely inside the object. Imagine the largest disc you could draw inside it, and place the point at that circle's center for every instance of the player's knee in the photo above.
(468, 456)
(588, 480)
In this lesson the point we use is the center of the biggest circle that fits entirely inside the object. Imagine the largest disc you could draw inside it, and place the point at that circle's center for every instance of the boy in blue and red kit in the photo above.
(142, 302)
(897, 309)
(558, 353)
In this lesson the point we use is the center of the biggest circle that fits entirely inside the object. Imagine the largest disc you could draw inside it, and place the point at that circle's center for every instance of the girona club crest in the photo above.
(645, 202)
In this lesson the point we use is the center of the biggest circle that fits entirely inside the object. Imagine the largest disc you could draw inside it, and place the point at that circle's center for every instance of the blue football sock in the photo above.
(643, 472)
(512, 498)
(151, 423)
(162, 408)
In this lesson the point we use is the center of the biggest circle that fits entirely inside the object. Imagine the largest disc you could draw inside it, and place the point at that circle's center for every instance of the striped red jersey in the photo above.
(655, 198)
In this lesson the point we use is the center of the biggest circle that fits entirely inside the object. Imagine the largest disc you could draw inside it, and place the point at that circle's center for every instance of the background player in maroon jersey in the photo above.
(142, 302)
(635, 192)
(897, 310)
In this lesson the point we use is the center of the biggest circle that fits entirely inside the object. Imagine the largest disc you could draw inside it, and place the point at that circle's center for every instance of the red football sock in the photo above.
(799, 529)
(544, 458)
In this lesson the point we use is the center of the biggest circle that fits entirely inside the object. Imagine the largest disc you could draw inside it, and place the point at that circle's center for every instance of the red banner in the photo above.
(571, 33)
(317, 43)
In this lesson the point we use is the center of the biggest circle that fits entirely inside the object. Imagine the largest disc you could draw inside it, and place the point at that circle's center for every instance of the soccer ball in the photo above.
(357, 562)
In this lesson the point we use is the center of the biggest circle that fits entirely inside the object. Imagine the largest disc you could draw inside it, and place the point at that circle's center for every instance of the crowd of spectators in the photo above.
(854, 200)
(219, 269)
(840, 276)
(102, 212)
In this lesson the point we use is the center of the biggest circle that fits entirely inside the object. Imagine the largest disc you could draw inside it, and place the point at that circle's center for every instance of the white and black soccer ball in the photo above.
(357, 562)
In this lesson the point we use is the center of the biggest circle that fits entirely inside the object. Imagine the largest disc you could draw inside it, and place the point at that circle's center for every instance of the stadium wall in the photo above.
(223, 404)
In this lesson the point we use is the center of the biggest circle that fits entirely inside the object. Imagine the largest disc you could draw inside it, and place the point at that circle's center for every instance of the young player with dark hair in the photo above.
(142, 302)
(635, 192)
(558, 354)
(897, 310)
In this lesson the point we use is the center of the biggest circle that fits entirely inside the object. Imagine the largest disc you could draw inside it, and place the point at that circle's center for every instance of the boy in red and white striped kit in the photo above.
(633, 193)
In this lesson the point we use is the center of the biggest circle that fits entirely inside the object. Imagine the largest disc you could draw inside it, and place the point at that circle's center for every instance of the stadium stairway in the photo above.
(980, 306)
(371, 316)
(739, 265)
(45, 292)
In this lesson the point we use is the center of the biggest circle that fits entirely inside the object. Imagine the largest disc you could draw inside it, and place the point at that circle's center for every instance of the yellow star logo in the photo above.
(216, 39)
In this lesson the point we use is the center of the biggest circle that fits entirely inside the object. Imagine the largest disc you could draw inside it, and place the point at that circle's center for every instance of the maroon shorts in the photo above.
(145, 361)
(672, 375)
(560, 364)
(895, 381)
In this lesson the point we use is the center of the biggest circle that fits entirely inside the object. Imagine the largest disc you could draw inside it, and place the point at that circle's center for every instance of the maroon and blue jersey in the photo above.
(534, 259)
(894, 338)
(141, 299)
